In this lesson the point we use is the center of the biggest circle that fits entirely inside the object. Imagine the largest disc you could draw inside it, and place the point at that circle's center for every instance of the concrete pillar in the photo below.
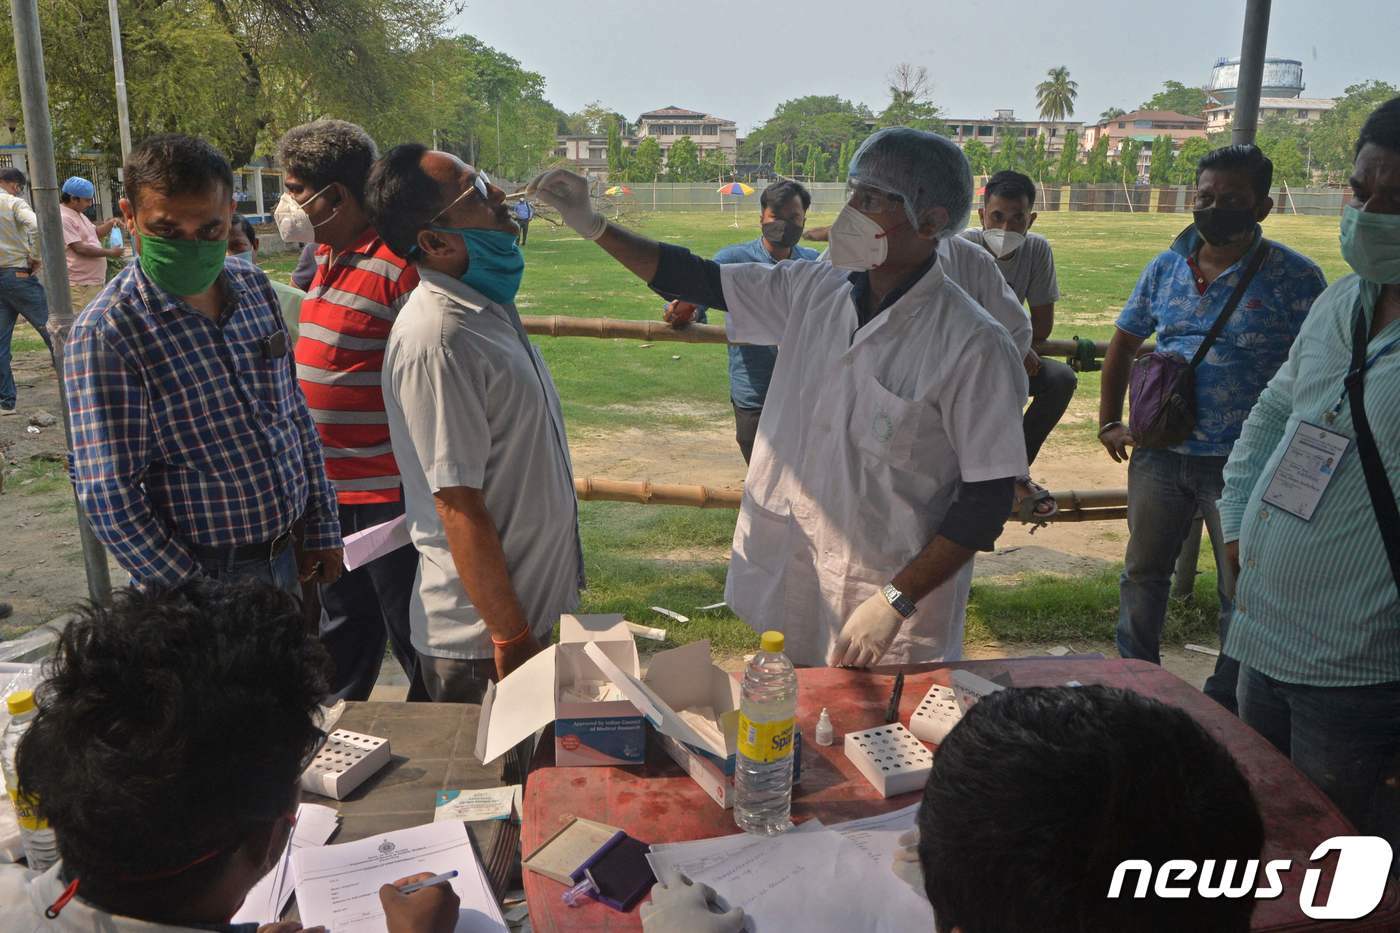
(258, 191)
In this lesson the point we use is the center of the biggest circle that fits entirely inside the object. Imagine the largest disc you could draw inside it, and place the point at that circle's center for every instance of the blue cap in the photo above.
(76, 187)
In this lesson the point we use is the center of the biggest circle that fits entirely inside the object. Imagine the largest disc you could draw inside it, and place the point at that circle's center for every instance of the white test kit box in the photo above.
(594, 721)
(694, 707)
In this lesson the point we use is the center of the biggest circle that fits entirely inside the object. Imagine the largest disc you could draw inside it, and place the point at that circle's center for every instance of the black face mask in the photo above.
(1219, 225)
(783, 233)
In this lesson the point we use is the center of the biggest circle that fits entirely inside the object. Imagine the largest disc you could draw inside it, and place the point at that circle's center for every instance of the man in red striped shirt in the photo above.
(353, 300)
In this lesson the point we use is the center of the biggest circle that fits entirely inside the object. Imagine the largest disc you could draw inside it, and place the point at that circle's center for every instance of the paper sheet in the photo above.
(338, 886)
(269, 897)
(813, 879)
(373, 543)
(878, 836)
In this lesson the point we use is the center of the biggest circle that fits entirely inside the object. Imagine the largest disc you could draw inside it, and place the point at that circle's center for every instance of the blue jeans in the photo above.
(280, 571)
(20, 297)
(367, 607)
(1345, 739)
(1165, 491)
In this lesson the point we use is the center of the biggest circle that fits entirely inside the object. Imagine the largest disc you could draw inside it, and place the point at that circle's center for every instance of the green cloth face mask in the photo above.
(1371, 245)
(182, 267)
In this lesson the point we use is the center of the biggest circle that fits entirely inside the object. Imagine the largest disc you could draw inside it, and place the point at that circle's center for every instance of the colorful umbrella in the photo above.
(617, 189)
(736, 187)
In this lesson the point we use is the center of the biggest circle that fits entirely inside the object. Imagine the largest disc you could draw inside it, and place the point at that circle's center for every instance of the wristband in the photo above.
(1111, 424)
(514, 639)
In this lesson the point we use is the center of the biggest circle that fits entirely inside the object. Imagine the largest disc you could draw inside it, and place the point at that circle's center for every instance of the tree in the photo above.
(646, 161)
(1284, 142)
(909, 100)
(978, 156)
(1035, 162)
(683, 160)
(713, 166)
(816, 164)
(1129, 155)
(1332, 140)
(781, 161)
(1184, 167)
(1007, 156)
(1056, 94)
(1112, 113)
(1163, 160)
(1097, 168)
(843, 161)
(825, 121)
(593, 120)
(617, 152)
(1069, 156)
(1176, 96)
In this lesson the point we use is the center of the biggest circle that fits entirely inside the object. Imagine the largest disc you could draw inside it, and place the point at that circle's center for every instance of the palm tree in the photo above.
(1112, 113)
(1056, 94)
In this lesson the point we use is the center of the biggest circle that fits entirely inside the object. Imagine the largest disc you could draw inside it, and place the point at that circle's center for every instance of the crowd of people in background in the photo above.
(228, 433)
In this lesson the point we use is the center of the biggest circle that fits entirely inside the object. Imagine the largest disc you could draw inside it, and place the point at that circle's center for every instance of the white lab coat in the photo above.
(24, 895)
(863, 439)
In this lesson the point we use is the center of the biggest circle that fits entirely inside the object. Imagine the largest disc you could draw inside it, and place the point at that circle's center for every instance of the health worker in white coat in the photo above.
(891, 437)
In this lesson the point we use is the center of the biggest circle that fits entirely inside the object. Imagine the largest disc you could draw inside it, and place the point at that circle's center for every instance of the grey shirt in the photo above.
(1030, 271)
(471, 403)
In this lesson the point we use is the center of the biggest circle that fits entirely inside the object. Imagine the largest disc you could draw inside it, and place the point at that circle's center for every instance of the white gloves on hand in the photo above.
(678, 905)
(906, 862)
(867, 634)
(567, 193)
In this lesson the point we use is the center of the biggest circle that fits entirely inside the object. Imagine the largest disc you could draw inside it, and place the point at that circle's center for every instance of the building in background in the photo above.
(707, 131)
(1220, 117)
(587, 155)
(990, 131)
(1143, 126)
(1281, 95)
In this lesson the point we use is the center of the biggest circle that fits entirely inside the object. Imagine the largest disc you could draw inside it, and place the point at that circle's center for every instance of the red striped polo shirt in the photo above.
(344, 325)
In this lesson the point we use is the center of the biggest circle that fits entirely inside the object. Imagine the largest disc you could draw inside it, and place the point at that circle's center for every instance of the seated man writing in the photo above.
(171, 734)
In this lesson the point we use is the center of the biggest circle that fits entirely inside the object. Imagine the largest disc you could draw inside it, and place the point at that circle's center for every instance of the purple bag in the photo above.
(1162, 394)
(1162, 386)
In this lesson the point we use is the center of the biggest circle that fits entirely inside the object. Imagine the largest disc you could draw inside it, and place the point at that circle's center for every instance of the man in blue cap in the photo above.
(82, 241)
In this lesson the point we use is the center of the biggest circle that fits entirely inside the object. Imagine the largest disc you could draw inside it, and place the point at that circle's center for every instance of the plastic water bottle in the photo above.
(763, 767)
(40, 844)
(114, 239)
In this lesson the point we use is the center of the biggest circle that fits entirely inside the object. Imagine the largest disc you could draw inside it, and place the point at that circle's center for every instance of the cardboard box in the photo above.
(545, 689)
(684, 681)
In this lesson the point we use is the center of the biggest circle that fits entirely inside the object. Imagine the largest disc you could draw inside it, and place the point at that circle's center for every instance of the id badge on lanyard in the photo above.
(1306, 470)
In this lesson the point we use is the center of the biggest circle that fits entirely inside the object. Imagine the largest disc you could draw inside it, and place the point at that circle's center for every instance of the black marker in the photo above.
(892, 713)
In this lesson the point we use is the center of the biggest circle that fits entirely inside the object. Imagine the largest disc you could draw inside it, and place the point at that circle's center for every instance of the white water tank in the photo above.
(1283, 77)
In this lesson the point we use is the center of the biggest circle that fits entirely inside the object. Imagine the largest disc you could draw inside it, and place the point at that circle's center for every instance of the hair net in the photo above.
(78, 187)
(926, 169)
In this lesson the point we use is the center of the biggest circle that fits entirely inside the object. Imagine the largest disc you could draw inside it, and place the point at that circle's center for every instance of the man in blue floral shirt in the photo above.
(1178, 298)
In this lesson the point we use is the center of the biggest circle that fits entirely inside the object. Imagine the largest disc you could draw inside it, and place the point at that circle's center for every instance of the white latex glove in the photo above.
(906, 862)
(567, 193)
(867, 634)
(678, 905)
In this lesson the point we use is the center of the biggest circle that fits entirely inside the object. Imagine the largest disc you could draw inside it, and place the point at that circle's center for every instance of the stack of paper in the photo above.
(269, 897)
(810, 878)
(338, 886)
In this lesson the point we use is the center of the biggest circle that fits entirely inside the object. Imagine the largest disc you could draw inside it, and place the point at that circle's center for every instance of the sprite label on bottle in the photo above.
(765, 742)
(26, 813)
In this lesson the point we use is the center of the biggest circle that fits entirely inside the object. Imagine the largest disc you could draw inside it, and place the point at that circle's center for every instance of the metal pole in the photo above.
(1252, 51)
(119, 69)
(38, 135)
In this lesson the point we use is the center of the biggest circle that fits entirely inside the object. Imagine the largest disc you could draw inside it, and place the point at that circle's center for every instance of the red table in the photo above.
(657, 802)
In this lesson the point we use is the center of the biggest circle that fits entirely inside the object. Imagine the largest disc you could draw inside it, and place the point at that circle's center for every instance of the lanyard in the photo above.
(1359, 361)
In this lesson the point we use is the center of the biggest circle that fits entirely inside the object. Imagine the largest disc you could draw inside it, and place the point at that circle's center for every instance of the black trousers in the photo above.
(367, 608)
(745, 428)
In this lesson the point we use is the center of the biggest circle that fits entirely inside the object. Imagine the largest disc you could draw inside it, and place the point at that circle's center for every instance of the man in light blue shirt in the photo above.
(1179, 296)
(1317, 613)
(784, 213)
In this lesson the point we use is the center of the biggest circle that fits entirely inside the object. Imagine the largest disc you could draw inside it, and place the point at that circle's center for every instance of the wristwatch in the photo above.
(902, 604)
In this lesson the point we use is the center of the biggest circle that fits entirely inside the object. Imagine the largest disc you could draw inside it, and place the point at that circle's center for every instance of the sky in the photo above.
(741, 59)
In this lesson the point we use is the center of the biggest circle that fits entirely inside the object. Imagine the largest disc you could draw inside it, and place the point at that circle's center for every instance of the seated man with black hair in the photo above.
(170, 737)
(1038, 795)
(1028, 263)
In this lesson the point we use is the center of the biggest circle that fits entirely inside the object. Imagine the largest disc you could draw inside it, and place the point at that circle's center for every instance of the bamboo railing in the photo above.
(1089, 505)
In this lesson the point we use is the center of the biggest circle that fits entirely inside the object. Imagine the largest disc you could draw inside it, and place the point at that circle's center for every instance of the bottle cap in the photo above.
(824, 717)
(771, 641)
(21, 701)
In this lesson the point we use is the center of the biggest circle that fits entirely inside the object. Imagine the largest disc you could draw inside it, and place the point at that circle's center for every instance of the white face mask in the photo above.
(856, 242)
(293, 223)
(1002, 243)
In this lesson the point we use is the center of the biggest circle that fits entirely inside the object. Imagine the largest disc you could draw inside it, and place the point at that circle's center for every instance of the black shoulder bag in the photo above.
(1382, 496)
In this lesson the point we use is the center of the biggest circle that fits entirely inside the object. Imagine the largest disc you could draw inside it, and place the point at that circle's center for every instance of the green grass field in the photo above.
(607, 384)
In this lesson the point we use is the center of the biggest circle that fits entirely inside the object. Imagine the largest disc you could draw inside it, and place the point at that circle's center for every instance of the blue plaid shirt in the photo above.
(184, 432)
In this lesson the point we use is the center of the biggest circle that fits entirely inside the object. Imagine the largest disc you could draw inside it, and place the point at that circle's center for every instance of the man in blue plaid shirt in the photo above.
(193, 450)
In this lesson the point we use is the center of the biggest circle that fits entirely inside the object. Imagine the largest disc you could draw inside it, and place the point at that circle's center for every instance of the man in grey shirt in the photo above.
(1028, 264)
(476, 429)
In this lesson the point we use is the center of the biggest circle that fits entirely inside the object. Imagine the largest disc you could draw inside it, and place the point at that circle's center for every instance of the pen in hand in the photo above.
(428, 882)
